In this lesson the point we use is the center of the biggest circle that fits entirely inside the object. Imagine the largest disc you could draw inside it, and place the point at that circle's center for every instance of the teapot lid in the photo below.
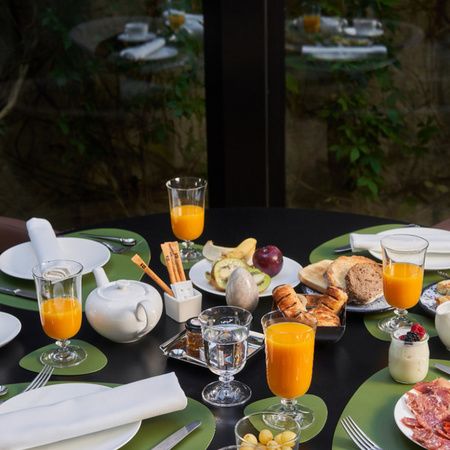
(123, 290)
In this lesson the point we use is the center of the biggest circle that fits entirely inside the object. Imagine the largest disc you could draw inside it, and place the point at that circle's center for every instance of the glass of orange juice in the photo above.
(187, 213)
(403, 265)
(58, 287)
(176, 17)
(289, 346)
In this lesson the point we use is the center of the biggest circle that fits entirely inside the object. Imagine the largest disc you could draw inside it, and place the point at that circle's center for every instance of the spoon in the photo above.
(180, 353)
(3, 390)
(128, 242)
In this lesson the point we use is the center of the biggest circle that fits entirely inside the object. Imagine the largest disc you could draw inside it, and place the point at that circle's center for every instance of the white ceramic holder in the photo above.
(181, 309)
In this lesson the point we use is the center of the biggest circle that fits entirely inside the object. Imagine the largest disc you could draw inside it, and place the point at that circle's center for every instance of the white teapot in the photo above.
(442, 323)
(123, 310)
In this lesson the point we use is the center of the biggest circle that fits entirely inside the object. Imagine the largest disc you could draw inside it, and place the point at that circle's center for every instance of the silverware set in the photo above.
(358, 436)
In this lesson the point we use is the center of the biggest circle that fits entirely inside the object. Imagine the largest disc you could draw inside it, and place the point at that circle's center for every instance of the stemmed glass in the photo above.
(176, 17)
(225, 330)
(58, 287)
(289, 346)
(187, 213)
(403, 265)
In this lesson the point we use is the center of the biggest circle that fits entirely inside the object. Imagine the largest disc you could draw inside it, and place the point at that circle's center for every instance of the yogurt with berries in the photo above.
(409, 354)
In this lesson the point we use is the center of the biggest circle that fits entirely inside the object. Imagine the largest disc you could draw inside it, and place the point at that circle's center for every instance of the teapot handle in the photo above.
(150, 317)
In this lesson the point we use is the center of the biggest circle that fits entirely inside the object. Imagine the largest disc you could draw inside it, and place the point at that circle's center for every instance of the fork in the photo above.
(358, 436)
(113, 248)
(41, 378)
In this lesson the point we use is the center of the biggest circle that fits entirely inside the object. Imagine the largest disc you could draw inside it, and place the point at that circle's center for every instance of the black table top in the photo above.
(338, 368)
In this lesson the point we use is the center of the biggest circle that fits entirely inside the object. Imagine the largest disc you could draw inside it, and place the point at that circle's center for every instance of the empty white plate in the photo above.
(9, 328)
(18, 261)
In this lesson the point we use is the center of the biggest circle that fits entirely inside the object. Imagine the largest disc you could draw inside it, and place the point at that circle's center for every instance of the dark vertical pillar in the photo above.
(244, 79)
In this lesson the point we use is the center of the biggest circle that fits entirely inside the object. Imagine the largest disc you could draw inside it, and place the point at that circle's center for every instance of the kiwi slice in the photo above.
(222, 270)
(262, 280)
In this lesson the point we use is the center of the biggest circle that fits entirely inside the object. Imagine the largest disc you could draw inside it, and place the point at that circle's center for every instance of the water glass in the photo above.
(225, 331)
(58, 288)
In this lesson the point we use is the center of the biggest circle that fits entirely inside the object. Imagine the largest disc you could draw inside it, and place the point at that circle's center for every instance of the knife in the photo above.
(25, 293)
(172, 440)
(443, 368)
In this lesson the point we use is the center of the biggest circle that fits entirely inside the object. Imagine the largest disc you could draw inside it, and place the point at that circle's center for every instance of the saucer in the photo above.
(124, 37)
(351, 31)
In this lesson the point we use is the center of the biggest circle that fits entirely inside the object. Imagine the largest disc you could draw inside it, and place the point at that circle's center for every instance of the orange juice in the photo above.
(311, 23)
(402, 284)
(289, 358)
(61, 317)
(176, 21)
(187, 221)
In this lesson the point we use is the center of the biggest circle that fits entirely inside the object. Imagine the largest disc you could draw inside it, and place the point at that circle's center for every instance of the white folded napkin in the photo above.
(362, 50)
(143, 51)
(43, 240)
(372, 242)
(90, 413)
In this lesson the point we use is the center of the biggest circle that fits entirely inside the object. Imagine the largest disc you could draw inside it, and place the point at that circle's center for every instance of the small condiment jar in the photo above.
(408, 361)
(194, 339)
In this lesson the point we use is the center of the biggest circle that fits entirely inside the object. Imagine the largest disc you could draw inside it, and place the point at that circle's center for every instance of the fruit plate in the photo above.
(255, 343)
(288, 275)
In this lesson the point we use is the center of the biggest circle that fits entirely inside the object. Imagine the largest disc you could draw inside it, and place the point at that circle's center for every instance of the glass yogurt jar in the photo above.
(408, 360)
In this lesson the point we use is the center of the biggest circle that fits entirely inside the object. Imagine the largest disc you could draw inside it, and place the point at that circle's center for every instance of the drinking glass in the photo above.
(187, 213)
(311, 17)
(225, 330)
(289, 346)
(58, 287)
(403, 261)
(176, 17)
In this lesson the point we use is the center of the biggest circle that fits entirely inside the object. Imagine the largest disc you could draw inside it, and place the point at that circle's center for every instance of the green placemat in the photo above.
(118, 267)
(326, 250)
(372, 407)
(311, 401)
(94, 362)
(186, 264)
(156, 429)
(371, 323)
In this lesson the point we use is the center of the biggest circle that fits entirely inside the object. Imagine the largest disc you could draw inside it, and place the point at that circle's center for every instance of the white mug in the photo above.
(136, 29)
(366, 26)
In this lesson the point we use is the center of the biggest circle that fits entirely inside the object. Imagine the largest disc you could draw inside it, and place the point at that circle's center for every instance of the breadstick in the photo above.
(170, 266)
(175, 250)
(140, 262)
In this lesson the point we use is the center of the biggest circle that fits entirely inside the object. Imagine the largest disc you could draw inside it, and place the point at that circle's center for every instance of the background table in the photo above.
(338, 368)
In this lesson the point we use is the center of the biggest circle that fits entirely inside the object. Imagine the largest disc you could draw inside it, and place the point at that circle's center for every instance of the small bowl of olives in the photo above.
(254, 432)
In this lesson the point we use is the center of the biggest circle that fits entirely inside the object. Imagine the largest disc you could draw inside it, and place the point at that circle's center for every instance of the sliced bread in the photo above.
(364, 283)
(313, 275)
(337, 270)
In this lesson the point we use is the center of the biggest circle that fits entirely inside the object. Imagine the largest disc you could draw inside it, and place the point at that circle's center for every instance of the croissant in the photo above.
(287, 301)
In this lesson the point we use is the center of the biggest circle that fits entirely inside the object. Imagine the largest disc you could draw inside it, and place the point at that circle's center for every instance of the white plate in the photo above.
(9, 328)
(18, 261)
(124, 37)
(341, 56)
(351, 31)
(288, 275)
(402, 410)
(163, 53)
(110, 439)
(433, 261)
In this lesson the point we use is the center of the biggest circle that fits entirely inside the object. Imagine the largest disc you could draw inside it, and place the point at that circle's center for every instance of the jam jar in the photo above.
(194, 339)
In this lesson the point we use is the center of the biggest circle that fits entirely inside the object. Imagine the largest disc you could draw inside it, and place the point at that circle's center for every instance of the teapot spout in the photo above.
(100, 277)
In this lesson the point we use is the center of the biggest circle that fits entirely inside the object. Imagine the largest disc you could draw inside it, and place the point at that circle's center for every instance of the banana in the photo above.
(244, 250)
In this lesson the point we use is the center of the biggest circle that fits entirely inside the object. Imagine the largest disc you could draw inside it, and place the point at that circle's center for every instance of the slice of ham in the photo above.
(429, 402)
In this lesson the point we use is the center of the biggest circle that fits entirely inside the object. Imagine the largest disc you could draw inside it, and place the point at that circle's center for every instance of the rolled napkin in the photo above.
(338, 50)
(143, 51)
(107, 408)
(372, 242)
(43, 240)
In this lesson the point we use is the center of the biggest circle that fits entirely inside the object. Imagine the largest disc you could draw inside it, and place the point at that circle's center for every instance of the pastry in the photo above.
(287, 301)
(443, 287)
(442, 299)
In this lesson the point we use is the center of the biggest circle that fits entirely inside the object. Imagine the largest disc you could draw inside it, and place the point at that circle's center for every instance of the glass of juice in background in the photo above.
(176, 17)
(187, 213)
(225, 331)
(311, 17)
(403, 265)
(58, 287)
(289, 346)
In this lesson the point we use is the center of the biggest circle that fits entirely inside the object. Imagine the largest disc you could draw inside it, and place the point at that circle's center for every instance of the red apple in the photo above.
(268, 259)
